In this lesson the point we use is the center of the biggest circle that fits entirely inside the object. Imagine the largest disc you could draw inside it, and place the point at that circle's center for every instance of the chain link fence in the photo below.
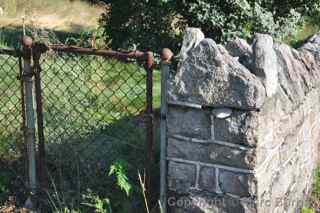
(12, 148)
(93, 110)
(94, 115)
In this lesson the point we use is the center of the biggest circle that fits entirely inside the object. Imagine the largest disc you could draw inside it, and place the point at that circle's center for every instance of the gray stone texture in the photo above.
(258, 151)
(197, 202)
(211, 153)
(238, 128)
(210, 76)
(242, 185)
(181, 177)
(189, 122)
(265, 62)
(207, 179)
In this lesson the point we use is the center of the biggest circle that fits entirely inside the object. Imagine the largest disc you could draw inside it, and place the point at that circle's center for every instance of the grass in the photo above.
(59, 15)
(313, 203)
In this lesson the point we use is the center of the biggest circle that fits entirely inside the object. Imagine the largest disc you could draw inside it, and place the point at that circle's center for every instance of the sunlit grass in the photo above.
(313, 203)
(71, 16)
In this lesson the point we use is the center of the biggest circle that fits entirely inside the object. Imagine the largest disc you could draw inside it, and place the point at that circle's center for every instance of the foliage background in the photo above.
(159, 23)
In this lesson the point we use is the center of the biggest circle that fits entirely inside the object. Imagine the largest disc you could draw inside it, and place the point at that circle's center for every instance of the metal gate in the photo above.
(79, 109)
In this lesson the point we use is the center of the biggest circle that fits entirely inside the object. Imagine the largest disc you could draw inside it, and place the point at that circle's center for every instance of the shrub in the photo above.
(136, 23)
(158, 23)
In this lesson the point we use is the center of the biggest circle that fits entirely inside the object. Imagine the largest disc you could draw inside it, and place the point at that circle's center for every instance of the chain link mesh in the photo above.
(10, 105)
(12, 169)
(93, 116)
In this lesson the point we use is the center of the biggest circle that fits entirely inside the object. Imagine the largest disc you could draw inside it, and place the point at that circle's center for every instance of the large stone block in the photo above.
(211, 153)
(235, 183)
(280, 195)
(210, 76)
(289, 147)
(189, 122)
(239, 128)
(265, 173)
(264, 156)
(207, 179)
(181, 177)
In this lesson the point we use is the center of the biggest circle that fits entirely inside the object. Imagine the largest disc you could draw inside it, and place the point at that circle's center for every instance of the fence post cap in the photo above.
(26, 41)
(166, 55)
(149, 59)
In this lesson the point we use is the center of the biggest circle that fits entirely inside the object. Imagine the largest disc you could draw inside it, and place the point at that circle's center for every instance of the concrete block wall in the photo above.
(243, 127)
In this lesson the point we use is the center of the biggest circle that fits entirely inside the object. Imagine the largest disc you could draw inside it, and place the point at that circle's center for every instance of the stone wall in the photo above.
(243, 127)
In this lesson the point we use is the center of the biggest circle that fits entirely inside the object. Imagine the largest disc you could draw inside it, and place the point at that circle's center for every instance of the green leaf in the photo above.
(118, 170)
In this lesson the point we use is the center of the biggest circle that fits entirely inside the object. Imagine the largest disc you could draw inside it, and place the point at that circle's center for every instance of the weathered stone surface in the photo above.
(290, 78)
(239, 128)
(289, 147)
(181, 177)
(189, 122)
(211, 153)
(207, 179)
(242, 50)
(239, 47)
(192, 37)
(265, 62)
(198, 202)
(265, 156)
(243, 185)
(313, 44)
(210, 76)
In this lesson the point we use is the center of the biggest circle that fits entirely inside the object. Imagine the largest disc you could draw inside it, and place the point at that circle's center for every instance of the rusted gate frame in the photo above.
(147, 57)
(37, 50)
(10, 51)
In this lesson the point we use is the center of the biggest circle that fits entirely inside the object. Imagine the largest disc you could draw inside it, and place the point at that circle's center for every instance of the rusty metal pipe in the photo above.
(30, 115)
(23, 114)
(149, 125)
(165, 71)
(9, 51)
(98, 52)
(40, 119)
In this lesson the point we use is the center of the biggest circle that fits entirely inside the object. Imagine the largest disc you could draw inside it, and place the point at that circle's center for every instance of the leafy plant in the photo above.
(118, 169)
(100, 205)
(158, 23)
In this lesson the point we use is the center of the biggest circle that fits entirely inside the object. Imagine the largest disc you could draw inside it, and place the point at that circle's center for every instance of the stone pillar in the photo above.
(243, 130)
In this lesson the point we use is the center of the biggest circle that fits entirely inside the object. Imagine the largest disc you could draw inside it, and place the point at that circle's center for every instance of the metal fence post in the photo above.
(149, 125)
(38, 50)
(23, 114)
(165, 71)
(30, 119)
